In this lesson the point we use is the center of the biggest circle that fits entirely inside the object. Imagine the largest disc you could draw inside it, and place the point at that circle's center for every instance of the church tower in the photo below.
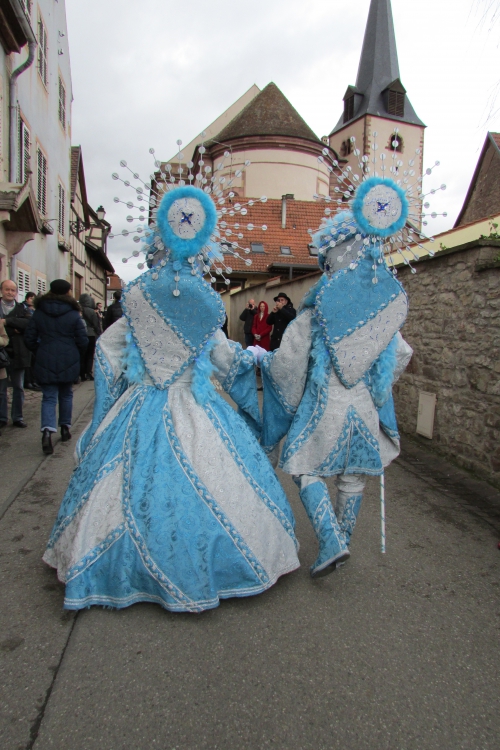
(377, 111)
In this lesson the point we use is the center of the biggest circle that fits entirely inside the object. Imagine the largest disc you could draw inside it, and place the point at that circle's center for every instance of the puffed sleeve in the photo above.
(235, 371)
(284, 374)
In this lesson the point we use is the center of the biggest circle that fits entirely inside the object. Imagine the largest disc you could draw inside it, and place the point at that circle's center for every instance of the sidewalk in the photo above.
(393, 652)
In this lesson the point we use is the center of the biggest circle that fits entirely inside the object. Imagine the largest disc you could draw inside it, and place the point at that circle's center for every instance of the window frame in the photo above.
(286, 247)
(23, 283)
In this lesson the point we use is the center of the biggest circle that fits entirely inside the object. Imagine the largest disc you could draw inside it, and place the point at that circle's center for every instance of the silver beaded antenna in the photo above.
(228, 237)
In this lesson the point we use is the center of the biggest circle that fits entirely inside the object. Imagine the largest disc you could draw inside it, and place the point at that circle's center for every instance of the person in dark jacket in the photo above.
(247, 317)
(282, 314)
(114, 311)
(94, 330)
(57, 334)
(16, 319)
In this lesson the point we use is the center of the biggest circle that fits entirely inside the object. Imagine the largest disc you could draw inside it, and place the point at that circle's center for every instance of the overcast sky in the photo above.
(147, 73)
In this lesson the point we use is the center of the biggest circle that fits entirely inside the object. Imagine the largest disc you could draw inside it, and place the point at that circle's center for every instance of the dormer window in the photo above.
(394, 98)
(349, 108)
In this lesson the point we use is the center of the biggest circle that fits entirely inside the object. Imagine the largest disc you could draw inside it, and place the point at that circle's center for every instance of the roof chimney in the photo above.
(284, 198)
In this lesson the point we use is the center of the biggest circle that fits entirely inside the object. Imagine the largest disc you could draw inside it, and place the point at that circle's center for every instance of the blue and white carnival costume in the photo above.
(328, 386)
(173, 501)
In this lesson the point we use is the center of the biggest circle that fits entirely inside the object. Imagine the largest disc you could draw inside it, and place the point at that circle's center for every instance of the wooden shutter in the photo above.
(23, 283)
(41, 182)
(62, 103)
(41, 285)
(42, 52)
(23, 166)
(62, 211)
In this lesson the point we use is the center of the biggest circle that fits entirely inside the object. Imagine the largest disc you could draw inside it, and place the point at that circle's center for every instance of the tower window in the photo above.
(348, 108)
(396, 103)
(346, 147)
(396, 143)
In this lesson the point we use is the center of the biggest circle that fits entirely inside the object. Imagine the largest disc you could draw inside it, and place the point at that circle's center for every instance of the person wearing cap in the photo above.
(57, 334)
(281, 315)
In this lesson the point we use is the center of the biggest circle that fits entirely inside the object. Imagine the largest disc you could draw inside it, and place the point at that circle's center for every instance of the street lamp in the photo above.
(101, 213)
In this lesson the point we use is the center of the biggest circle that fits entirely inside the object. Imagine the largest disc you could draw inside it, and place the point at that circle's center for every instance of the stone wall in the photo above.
(454, 329)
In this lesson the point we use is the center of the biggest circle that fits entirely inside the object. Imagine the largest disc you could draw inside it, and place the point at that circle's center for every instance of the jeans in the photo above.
(17, 378)
(52, 393)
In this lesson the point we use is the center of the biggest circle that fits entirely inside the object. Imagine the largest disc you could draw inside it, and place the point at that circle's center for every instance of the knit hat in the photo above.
(60, 286)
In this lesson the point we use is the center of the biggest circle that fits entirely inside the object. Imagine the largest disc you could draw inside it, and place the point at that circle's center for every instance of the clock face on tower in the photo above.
(186, 217)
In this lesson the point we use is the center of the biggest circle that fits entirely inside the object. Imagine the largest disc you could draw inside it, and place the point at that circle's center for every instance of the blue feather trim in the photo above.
(381, 374)
(309, 299)
(181, 249)
(340, 224)
(201, 385)
(131, 362)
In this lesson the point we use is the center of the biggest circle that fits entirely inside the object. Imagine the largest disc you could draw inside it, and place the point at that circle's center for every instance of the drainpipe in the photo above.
(32, 44)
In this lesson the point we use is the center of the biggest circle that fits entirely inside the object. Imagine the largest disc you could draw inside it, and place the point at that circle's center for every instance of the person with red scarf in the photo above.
(260, 328)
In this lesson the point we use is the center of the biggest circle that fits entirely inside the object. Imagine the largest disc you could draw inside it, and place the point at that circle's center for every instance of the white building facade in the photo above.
(35, 144)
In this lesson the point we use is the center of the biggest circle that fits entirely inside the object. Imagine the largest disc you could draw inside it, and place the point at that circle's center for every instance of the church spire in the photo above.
(378, 89)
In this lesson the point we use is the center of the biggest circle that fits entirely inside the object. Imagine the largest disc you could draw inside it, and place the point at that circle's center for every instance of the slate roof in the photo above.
(492, 139)
(378, 67)
(300, 216)
(269, 113)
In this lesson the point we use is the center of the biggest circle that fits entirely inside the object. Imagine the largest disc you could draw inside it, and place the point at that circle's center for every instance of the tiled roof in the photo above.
(496, 138)
(269, 113)
(300, 216)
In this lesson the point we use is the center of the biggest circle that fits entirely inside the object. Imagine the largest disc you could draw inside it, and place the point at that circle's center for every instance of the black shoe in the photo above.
(19, 423)
(65, 433)
(259, 388)
(2, 424)
(35, 387)
(89, 376)
(47, 442)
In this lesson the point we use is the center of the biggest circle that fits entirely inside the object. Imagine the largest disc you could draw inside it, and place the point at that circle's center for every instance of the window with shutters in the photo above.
(396, 103)
(41, 182)
(62, 103)
(23, 283)
(42, 52)
(24, 152)
(61, 224)
(348, 108)
(27, 5)
(41, 285)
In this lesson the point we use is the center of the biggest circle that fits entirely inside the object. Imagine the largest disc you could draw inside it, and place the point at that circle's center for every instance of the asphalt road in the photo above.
(392, 652)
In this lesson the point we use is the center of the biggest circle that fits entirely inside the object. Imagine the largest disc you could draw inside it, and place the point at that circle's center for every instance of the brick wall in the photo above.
(454, 329)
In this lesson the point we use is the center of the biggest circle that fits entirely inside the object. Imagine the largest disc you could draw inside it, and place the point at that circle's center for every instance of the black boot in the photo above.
(65, 433)
(47, 442)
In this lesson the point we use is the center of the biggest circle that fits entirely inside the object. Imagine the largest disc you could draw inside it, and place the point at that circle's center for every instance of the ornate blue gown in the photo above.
(172, 501)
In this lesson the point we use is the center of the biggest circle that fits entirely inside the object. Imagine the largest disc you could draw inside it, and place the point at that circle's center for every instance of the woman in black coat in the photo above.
(57, 334)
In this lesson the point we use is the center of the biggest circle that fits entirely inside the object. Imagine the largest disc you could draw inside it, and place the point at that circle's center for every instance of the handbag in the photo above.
(4, 358)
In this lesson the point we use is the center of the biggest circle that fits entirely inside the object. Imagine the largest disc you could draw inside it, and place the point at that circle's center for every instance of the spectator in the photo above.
(13, 314)
(56, 332)
(247, 317)
(29, 302)
(114, 311)
(100, 314)
(30, 383)
(4, 340)
(94, 330)
(282, 314)
(261, 330)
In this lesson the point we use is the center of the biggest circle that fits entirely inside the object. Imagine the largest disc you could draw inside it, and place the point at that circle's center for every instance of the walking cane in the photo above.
(382, 512)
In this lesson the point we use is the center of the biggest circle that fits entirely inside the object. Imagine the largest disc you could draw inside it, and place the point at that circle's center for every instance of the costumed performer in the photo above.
(328, 387)
(173, 501)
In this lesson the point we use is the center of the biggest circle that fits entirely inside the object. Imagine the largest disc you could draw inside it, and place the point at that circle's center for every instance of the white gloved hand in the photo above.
(258, 353)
